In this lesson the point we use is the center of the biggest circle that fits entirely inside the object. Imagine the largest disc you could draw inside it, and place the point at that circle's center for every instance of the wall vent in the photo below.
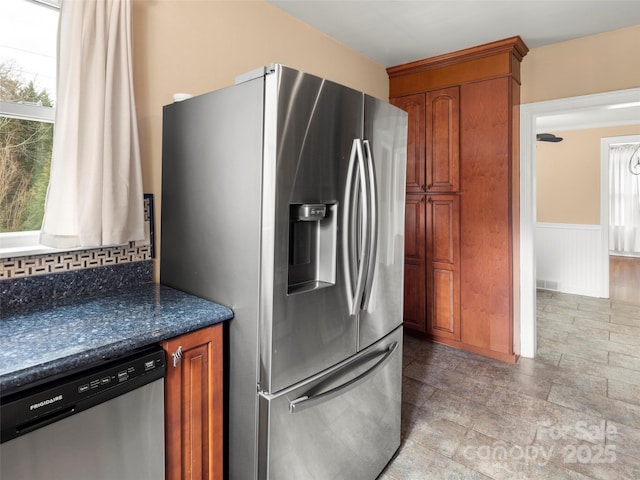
(547, 285)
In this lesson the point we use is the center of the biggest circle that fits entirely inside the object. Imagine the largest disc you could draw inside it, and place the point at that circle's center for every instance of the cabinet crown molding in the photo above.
(514, 45)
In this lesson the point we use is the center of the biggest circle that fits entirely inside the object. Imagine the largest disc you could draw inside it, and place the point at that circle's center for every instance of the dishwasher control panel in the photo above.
(32, 409)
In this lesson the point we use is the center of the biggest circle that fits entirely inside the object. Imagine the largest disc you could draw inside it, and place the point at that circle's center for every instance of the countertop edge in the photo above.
(17, 380)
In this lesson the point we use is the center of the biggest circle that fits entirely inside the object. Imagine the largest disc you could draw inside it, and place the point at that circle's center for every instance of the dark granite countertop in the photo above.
(47, 340)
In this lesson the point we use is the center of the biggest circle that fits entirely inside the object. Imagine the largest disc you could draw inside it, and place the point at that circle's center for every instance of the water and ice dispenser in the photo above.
(312, 246)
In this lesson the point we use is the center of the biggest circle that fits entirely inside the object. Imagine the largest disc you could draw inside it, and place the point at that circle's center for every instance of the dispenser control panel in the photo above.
(311, 212)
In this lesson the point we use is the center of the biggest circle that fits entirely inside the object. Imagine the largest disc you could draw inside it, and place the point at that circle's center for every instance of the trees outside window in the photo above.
(25, 155)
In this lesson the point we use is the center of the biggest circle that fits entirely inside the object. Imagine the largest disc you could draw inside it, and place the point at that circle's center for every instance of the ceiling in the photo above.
(393, 32)
(594, 117)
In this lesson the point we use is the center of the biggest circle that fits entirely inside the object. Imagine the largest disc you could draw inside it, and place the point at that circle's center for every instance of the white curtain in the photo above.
(95, 193)
(624, 201)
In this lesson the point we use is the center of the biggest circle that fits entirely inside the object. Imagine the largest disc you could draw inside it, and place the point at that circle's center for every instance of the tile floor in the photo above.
(572, 413)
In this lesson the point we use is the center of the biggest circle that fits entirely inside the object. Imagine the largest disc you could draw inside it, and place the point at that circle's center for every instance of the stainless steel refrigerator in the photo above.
(283, 198)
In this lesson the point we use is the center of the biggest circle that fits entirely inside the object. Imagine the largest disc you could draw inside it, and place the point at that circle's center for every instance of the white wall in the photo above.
(568, 258)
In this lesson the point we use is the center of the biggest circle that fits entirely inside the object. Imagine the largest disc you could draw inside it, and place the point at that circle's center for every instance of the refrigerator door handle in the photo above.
(346, 244)
(305, 401)
(373, 230)
(355, 296)
(365, 245)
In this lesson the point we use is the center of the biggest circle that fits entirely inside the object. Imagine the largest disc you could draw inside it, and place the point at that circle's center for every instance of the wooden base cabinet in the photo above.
(193, 405)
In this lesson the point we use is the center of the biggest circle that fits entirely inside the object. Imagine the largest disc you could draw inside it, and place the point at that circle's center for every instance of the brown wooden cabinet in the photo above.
(416, 166)
(431, 296)
(193, 405)
(488, 212)
(432, 265)
(415, 263)
(464, 111)
(442, 134)
(443, 266)
(432, 140)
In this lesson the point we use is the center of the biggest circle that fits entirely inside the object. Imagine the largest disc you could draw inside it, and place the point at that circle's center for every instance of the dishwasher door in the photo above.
(102, 423)
(122, 438)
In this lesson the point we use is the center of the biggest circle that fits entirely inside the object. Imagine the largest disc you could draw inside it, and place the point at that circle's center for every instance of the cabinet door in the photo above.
(193, 406)
(443, 266)
(416, 170)
(414, 263)
(443, 140)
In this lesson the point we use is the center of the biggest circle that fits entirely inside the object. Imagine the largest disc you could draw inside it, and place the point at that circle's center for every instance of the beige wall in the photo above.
(594, 64)
(568, 175)
(198, 46)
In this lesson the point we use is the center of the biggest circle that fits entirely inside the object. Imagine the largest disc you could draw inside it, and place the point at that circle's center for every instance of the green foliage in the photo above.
(25, 156)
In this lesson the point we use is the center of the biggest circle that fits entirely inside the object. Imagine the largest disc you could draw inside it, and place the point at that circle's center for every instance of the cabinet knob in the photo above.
(177, 356)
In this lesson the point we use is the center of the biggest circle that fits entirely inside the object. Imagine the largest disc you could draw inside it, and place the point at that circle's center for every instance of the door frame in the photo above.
(529, 113)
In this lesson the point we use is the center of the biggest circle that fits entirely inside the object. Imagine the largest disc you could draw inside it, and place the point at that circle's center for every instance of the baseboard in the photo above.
(625, 254)
(485, 352)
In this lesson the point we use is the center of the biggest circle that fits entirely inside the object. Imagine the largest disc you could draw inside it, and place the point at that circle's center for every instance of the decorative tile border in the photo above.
(21, 267)
(149, 229)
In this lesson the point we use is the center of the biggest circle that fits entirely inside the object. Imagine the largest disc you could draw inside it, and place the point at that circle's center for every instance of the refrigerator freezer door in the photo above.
(343, 425)
(306, 327)
(385, 146)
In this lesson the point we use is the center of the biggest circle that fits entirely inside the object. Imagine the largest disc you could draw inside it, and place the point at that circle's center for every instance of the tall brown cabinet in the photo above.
(462, 208)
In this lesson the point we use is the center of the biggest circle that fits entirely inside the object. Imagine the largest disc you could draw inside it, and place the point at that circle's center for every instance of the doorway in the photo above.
(621, 160)
(529, 113)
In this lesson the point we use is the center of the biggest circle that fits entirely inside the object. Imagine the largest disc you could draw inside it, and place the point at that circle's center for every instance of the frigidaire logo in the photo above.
(43, 403)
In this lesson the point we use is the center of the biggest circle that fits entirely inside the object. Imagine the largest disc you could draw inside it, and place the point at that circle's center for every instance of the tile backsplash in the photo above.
(57, 277)
(20, 267)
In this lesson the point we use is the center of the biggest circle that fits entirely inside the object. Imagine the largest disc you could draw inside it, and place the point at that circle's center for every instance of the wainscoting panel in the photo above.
(569, 258)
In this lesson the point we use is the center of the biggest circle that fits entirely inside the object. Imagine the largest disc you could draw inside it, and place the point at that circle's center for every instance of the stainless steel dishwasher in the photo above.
(103, 423)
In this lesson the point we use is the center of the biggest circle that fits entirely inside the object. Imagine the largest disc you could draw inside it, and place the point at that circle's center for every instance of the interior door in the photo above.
(306, 326)
(385, 131)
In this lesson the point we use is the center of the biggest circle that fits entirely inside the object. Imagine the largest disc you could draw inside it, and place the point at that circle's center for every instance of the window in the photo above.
(28, 33)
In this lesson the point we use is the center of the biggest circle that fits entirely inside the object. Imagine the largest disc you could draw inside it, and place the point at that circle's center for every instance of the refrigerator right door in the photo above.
(342, 425)
(385, 147)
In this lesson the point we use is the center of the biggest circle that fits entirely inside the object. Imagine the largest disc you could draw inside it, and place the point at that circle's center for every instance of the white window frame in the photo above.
(27, 111)
(20, 244)
(55, 4)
